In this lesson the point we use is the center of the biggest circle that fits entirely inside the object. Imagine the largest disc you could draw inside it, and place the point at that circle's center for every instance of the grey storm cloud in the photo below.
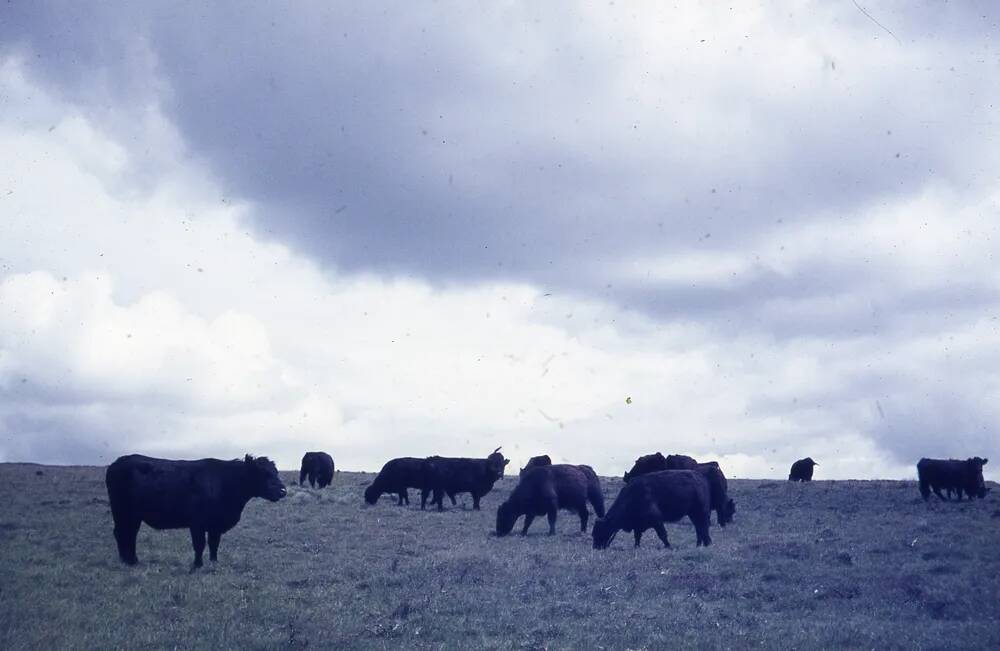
(458, 144)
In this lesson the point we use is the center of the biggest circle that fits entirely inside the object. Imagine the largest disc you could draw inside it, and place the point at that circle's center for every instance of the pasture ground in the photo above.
(832, 564)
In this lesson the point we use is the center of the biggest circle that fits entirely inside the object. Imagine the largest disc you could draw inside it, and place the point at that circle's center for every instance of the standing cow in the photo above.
(317, 467)
(952, 475)
(654, 498)
(802, 470)
(205, 496)
(454, 475)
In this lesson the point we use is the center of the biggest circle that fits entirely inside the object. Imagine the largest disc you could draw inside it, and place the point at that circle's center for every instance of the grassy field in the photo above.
(845, 564)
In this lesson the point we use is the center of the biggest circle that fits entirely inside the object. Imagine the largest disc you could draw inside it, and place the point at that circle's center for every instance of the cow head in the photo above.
(264, 479)
(497, 463)
(729, 511)
(603, 533)
(506, 517)
(372, 494)
(810, 461)
(976, 483)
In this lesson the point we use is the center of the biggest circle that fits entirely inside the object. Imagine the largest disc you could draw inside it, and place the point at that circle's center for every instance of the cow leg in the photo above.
(937, 491)
(637, 533)
(424, 493)
(454, 502)
(302, 476)
(661, 531)
(213, 545)
(701, 524)
(475, 501)
(126, 533)
(528, 519)
(553, 513)
(584, 516)
(312, 481)
(198, 542)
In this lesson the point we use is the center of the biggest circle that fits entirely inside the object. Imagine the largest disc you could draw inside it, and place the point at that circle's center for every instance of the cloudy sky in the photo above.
(593, 230)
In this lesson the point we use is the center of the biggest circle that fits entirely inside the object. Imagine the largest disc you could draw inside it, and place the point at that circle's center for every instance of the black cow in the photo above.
(802, 470)
(317, 467)
(452, 476)
(646, 464)
(535, 462)
(206, 496)
(724, 507)
(654, 498)
(398, 476)
(657, 462)
(681, 462)
(952, 475)
(546, 489)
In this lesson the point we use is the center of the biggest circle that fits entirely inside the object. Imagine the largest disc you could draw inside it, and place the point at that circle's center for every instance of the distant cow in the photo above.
(724, 507)
(952, 475)
(656, 462)
(397, 476)
(452, 476)
(544, 490)
(654, 498)
(206, 496)
(802, 470)
(317, 467)
(535, 462)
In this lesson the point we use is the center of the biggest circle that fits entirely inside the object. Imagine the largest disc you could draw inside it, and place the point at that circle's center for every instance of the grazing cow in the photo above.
(724, 507)
(952, 475)
(206, 496)
(534, 462)
(802, 470)
(654, 498)
(317, 467)
(398, 476)
(546, 489)
(452, 476)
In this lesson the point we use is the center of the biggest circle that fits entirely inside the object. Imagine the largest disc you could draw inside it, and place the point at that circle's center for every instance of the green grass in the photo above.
(834, 564)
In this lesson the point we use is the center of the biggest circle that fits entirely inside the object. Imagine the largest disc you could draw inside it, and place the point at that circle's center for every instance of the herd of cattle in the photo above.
(208, 496)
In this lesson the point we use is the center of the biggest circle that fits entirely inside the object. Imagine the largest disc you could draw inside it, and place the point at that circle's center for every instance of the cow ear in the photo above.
(248, 459)
(985, 461)
(497, 450)
(506, 461)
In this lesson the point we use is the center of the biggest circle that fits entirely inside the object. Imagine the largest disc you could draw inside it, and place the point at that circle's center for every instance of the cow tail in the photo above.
(596, 497)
